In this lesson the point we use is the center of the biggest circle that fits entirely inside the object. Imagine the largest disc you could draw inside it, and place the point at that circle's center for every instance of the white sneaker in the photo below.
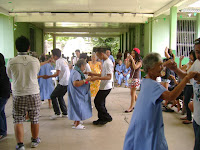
(65, 116)
(55, 117)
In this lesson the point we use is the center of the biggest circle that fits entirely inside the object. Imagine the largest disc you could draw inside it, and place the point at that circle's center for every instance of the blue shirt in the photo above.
(146, 129)
(126, 70)
(112, 58)
(119, 68)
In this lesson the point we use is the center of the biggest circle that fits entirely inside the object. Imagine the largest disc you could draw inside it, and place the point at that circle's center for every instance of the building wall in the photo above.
(160, 34)
(24, 29)
(6, 36)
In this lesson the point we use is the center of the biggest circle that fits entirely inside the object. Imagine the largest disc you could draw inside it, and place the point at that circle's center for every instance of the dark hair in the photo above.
(42, 58)
(22, 44)
(77, 50)
(100, 49)
(193, 54)
(137, 56)
(56, 52)
(2, 60)
(197, 41)
(83, 55)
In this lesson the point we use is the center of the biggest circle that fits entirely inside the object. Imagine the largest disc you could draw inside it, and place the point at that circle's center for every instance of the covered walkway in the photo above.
(58, 134)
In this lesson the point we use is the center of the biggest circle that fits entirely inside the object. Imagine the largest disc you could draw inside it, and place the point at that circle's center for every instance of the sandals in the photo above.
(79, 127)
(81, 122)
(127, 111)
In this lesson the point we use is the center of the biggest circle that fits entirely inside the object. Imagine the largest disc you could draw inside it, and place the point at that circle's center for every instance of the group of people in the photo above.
(146, 130)
(82, 79)
(31, 83)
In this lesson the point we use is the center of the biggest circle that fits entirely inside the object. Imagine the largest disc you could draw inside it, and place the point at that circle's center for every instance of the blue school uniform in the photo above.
(79, 99)
(117, 76)
(146, 130)
(46, 85)
(126, 70)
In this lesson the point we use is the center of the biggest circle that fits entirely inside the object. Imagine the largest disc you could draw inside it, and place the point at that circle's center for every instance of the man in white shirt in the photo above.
(63, 72)
(105, 87)
(23, 70)
(196, 88)
(75, 59)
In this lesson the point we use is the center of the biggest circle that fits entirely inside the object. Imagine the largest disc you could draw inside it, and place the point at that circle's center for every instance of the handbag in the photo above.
(130, 80)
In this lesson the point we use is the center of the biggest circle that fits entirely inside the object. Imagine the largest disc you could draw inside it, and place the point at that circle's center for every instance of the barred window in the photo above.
(186, 30)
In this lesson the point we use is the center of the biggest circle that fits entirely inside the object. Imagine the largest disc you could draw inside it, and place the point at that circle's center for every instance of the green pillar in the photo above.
(198, 25)
(124, 42)
(127, 40)
(173, 28)
(137, 37)
(54, 41)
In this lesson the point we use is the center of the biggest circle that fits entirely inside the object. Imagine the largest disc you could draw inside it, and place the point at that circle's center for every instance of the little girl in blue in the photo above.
(79, 97)
(46, 85)
(146, 130)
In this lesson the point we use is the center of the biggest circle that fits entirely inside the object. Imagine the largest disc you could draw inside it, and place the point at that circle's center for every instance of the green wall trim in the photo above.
(173, 27)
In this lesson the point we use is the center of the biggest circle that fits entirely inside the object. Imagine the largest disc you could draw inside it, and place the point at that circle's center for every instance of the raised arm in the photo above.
(171, 95)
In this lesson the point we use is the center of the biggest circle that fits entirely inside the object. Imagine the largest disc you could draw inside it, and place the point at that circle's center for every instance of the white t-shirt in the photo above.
(196, 90)
(87, 69)
(107, 69)
(75, 60)
(62, 65)
(23, 70)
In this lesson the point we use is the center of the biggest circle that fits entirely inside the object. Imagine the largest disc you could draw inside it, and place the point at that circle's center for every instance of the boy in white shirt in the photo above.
(63, 72)
(105, 87)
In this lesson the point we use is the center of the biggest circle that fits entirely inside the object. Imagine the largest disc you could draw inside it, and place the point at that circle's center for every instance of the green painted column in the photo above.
(173, 28)
(137, 37)
(198, 25)
(54, 41)
(124, 42)
(127, 40)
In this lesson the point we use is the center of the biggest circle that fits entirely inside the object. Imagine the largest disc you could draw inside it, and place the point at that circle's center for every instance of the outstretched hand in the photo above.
(192, 75)
(171, 64)
(94, 78)
(181, 58)
(45, 76)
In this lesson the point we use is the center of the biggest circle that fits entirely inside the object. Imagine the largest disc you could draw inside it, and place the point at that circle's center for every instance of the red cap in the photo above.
(137, 50)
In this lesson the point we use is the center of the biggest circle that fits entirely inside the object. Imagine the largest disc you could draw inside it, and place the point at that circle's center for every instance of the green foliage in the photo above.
(113, 43)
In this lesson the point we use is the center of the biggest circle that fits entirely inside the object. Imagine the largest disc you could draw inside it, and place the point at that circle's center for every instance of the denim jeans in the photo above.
(3, 124)
(57, 96)
(197, 135)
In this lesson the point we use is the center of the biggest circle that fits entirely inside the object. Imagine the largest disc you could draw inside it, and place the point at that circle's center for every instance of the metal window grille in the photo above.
(186, 30)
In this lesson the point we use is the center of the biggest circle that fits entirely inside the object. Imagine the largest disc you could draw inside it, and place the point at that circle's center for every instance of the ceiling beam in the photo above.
(167, 7)
(91, 30)
(87, 35)
(81, 17)
(3, 11)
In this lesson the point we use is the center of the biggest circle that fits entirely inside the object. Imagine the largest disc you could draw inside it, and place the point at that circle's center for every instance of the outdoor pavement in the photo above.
(59, 135)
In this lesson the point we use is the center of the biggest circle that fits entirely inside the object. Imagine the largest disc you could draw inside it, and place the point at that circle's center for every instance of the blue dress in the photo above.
(79, 99)
(146, 130)
(46, 85)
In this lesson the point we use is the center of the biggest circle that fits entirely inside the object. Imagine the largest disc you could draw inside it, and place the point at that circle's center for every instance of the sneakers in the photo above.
(55, 117)
(35, 142)
(99, 122)
(65, 116)
(20, 147)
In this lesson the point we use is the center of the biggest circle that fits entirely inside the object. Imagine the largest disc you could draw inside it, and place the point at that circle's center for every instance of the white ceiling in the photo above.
(118, 14)
(135, 6)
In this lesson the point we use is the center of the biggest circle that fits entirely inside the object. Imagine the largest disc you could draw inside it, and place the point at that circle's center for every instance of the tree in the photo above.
(113, 43)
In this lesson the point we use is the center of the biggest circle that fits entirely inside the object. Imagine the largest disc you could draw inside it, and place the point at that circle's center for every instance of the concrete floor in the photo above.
(58, 134)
